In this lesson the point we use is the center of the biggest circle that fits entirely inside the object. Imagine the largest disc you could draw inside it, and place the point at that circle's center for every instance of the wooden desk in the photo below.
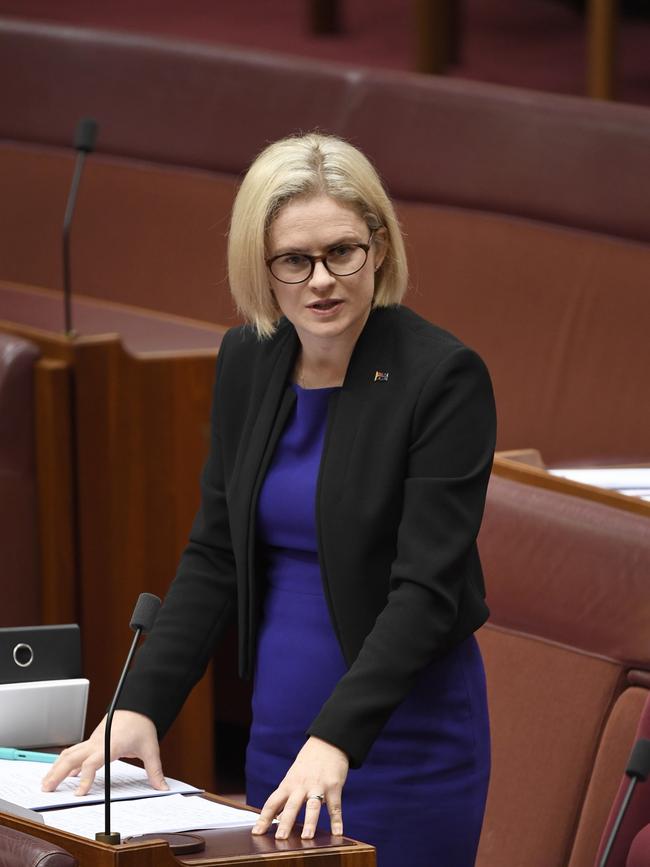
(122, 433)
(224, 848)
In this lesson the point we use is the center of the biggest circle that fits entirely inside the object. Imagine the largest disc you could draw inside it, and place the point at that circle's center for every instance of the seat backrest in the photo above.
(638, 811)
(23, 850)
(18, 497)
(611, 759)
(547, 702)
(569, 598)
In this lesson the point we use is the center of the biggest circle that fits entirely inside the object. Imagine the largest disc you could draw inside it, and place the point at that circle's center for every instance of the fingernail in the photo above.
(281, 835)
(337, 830)
(257, 829)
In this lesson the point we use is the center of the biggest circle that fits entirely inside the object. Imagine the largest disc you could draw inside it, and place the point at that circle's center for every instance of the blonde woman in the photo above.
(351, 447)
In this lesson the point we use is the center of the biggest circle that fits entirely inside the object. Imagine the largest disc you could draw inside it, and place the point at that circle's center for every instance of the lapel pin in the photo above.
(380, 376)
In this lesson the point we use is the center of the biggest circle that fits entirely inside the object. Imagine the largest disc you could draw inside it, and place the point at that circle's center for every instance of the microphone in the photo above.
(638, 768)
(84, 143)
(142, 620)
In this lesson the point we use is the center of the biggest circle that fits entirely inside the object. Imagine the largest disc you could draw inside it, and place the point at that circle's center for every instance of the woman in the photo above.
(350, 452)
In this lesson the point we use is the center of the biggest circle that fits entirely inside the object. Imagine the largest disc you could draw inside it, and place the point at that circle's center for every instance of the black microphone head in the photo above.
(85, 135)
(145, 612)
(639, 762)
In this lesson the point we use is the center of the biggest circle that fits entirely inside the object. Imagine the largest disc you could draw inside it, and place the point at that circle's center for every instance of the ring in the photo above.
(320, 798)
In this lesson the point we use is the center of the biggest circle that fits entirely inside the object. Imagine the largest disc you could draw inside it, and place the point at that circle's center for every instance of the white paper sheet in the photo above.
(20, 783)
(612, 478)
(151, 816)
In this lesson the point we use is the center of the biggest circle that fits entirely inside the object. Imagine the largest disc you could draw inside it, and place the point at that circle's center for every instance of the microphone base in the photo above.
(113, 839)
(180, 844)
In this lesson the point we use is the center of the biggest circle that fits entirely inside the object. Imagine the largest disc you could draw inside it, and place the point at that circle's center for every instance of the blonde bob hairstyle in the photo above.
(306, 165)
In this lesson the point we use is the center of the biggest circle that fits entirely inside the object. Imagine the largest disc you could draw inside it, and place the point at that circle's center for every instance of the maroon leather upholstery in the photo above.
(639, 854)
(18, 505)
(23, 850)
(569, 570)
(160, 100)
(569, 599)
(638, 811)
(434, 140)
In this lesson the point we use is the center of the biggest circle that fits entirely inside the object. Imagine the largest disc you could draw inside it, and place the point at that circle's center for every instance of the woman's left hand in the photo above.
(320, 769)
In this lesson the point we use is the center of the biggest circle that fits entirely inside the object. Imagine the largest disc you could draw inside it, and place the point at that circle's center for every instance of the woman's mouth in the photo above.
(326, 306)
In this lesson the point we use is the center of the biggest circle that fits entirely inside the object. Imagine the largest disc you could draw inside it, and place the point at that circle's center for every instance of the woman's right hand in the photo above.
(133, 735)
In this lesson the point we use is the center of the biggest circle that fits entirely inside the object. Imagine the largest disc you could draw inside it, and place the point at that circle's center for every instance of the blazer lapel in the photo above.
(362, 391)
(274, 402)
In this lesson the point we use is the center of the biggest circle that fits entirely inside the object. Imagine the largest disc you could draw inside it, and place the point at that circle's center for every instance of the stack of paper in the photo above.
(136, 808)
(151, 816)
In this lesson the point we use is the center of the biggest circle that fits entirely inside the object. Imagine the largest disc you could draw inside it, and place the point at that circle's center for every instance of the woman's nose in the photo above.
(321, 277)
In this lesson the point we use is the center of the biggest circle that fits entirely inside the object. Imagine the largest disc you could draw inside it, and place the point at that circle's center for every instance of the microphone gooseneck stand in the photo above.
(84, 143)
(142, 620)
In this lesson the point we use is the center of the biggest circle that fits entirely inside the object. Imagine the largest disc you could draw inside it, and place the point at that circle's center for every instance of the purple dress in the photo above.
(420, 795)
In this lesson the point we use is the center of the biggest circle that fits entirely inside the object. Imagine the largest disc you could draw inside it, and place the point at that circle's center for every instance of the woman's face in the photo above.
(324, 307)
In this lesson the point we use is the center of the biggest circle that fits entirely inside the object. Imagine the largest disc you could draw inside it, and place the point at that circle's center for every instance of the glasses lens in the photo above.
(292, 268)
(346, 259)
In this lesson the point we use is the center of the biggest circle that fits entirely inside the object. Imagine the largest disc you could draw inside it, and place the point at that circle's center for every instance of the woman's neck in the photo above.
(320, 372)
(323, 362)
(323, 365)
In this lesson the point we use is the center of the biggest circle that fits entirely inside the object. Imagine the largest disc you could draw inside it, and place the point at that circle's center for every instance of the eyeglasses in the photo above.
(340, 261)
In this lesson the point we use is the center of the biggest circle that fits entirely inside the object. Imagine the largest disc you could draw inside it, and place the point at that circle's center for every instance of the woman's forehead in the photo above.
(317, 220)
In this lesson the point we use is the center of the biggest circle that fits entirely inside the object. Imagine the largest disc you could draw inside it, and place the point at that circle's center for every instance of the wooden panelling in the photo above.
(121, 443)
(56, 491)
(142, 435)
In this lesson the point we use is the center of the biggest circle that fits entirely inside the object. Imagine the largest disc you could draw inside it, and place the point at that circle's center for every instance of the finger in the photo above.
(336, 816)
(270, 810)
(153, 767)
(66, 765)
(312, 812)
(288, 817)
(87, 773)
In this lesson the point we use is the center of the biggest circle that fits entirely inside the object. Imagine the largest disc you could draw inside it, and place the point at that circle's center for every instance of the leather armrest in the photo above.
(22, 850)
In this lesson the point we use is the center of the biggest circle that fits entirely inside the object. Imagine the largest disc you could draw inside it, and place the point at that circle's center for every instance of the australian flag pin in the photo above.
(380, 376)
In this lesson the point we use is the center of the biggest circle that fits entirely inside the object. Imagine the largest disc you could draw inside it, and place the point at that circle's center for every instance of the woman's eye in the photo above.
(340, 252)
(293, 260)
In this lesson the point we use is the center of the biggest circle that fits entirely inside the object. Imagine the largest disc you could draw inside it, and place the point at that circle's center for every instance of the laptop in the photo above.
(29, 653)
(43, 713)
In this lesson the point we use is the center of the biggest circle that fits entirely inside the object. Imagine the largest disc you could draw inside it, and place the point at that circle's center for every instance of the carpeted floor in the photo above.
(527, 43)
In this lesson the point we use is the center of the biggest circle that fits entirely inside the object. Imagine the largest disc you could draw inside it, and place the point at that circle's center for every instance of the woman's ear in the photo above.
(379, 246)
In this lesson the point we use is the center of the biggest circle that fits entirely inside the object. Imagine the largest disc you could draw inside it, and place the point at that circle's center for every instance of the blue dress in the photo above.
(419, 797)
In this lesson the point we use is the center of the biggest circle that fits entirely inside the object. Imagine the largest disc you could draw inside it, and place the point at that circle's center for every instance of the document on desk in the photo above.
(151, 816)
(634, 481)
(20, 783)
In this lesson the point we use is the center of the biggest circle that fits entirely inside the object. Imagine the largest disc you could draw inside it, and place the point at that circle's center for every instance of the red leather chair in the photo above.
(639, 855)
(632, 845)
(23, 850)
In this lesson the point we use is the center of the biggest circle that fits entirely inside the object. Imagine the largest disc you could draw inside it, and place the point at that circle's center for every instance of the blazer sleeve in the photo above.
(436, 564)
(200, 603)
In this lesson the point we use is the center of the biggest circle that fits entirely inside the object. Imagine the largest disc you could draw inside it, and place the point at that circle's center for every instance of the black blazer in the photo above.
(401, 491)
